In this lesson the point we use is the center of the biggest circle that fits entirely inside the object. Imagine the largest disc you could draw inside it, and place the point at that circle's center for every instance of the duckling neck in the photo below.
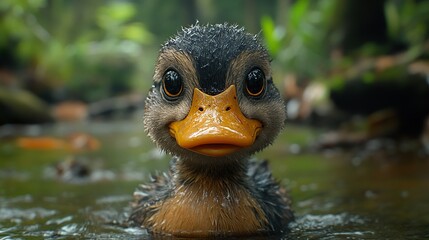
(214, 200)
(233, 172)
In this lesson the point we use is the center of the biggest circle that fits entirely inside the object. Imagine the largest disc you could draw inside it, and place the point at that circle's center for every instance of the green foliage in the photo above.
(407, 21)
(115, 13)
(368, 77)
(273, 38)
(91, 50)
(18, 23)
(97, 48)
(113, 20)
(300, 43)
(310, 41)
(336, 82)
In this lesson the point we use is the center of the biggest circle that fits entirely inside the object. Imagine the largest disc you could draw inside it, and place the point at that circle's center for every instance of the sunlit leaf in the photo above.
(297, 12)
(115, 14)
(268, 31)
(138, 33)
(392, 18)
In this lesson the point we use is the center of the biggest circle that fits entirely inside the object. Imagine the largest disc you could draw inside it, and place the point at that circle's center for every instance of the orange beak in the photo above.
(215, 125)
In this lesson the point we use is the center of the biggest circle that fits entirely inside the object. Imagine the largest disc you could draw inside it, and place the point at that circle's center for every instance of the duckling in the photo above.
(212, 105)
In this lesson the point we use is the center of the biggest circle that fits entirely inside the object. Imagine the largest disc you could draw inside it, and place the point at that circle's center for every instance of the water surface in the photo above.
(337, 194)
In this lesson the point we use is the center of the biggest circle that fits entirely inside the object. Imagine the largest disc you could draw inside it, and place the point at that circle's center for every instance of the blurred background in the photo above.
(333, 60)
(354, 74)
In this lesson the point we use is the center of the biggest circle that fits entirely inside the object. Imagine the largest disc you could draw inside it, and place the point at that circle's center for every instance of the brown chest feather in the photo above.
(212, 210)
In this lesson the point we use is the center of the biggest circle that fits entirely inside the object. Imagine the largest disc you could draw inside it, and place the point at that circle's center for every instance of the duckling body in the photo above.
(188, 204)
(212, 105)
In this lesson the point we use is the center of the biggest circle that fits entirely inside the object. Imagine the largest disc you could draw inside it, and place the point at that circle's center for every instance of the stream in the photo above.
(336, 193)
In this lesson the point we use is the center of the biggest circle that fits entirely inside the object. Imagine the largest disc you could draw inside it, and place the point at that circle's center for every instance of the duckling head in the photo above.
(213, 100)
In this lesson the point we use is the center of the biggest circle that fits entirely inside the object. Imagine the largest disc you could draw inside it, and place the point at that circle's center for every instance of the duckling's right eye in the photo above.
(172, 84)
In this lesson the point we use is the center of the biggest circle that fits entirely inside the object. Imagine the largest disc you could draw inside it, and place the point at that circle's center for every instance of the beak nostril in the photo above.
(200, 109)
(228, 108)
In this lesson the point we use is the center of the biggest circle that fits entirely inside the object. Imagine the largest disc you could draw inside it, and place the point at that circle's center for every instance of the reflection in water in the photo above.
(319, 226)
(20, 223)
(378, 196)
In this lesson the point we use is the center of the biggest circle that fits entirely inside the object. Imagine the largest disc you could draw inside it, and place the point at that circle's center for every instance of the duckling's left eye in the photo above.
(172, 84)
(255, 82)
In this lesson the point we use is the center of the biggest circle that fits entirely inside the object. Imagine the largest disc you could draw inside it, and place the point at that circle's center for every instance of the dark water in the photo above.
(336, 194)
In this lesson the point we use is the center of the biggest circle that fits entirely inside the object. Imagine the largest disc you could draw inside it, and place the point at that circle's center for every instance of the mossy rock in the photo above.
(21, 107)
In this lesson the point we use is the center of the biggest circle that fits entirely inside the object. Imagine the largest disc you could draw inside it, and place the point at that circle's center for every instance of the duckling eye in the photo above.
(172, 84)
(255, 82)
